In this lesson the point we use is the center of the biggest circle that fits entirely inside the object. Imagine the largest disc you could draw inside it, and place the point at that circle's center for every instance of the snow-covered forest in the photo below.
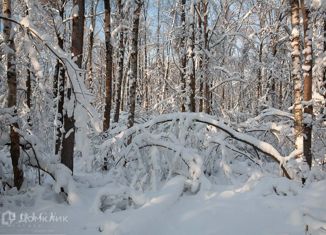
(134, 117)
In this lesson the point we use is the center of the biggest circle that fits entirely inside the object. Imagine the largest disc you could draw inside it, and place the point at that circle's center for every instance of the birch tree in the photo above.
(296, 74)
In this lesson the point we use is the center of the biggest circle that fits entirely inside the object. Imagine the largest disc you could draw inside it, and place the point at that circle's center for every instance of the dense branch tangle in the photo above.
(186, 120)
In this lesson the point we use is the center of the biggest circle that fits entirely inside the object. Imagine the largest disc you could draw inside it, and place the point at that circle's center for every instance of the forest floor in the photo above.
(262, 205)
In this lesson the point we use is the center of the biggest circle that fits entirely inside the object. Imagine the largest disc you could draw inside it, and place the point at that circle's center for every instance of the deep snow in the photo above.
(263, 205)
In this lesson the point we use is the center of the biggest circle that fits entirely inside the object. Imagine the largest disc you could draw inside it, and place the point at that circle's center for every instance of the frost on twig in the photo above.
(185, 142)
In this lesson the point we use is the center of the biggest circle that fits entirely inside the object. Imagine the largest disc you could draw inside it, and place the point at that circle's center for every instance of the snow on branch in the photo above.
(75, 74)
(261, 146)
(49, 164)
(274, 112)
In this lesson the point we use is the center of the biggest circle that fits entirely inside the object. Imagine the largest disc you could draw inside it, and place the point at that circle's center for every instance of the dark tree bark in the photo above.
(59, 89)
(259, 76)
(77, 37)
(108, 64)
(12, 95)
(146, 82)
(183, 55)
(207, 92)
(29, 92)
(68, 142)
(134, 62)
(200, 13)
(191, 59)
(121, 52)
(307, 89)
(125, 82)
(324, 71)
(91, 43)
(29, 83)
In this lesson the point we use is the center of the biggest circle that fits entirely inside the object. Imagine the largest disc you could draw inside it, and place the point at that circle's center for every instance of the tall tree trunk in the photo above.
(191, 61)
(259, 76)
(201, 41)
(12, 95)
(296, 76)
(68, 142)
(134, 63)
(108, 65)
(29, 91)
(28, 82)
(59, 89)
(125, 82)
(121, 52)
(146, 82)
(207, 93)
(183, 55)
(91, 43)
(324, 69)
(271, 86)
(158, 32)
(307, 89)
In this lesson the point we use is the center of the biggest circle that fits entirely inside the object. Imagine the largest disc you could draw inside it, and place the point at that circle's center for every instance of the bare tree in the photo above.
(92, 11)
(191, 60)
(121, 52)
(29, 82)
(183, 55)
(296, 75)
(134, 62)
(59, 83)
(68, 142)
(207, 94)
(324, 70)
(12, 95)
(108, 64)
(307, 89)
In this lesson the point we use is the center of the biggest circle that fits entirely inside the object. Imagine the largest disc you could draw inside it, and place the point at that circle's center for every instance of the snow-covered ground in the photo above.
(263, 205)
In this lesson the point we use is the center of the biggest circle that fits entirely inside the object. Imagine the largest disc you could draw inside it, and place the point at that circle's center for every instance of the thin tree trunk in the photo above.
(12, 96)
(91, 43)
(124, 87)
(146, 83)
(207, 103)
(28, 83)
(280, 102)
(158, 31)
(259, 77)
(134, 63)
(296, 76)
(183, 55)
(201, 41)
(191, 59)
(108, 70)
(29, 91)
(59, 90)
(271, 95)
(121, 53)
(307, 90)
(324, 70)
